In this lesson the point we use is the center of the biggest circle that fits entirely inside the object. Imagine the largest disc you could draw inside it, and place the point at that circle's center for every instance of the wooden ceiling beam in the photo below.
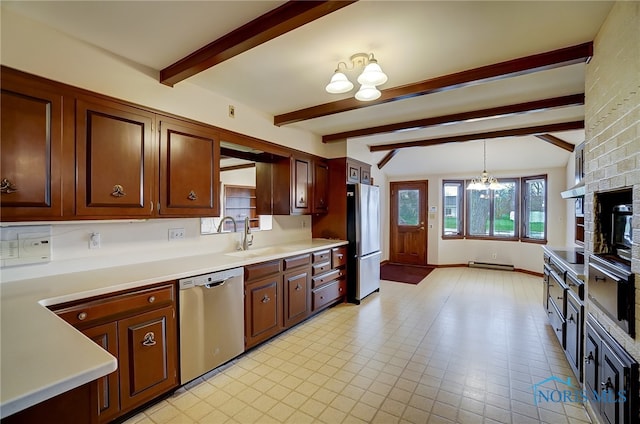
(556, 142)
(387, 158)
(513, 132)
(495, 112)
(282, 19)
(511, 68)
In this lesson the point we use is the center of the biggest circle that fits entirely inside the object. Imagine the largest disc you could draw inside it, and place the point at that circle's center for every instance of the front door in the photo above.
(408, 234)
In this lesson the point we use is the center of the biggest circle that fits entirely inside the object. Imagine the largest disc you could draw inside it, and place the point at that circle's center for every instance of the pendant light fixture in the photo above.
(369, 79)
(484, 181)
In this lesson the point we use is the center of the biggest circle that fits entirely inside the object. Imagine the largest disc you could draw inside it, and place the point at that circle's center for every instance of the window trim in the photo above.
(523, 182)
(461, 205)
(520, 205)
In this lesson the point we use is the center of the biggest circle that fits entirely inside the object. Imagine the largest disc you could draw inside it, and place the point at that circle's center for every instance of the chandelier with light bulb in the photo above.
(371, 77)
(484, 181)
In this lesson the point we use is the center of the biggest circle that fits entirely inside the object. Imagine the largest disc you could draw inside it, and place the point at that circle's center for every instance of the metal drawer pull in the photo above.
(570, 319)
(192, 195)
(151, 299)
(298, 287)
(148, 339)
(82, 316)
(588, 359)
(606, 385)
(598, 278)
(265, 299)
(7, 187)
(118, 191)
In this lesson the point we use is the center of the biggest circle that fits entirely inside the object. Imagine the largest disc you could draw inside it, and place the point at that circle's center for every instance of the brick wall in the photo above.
(612, 148)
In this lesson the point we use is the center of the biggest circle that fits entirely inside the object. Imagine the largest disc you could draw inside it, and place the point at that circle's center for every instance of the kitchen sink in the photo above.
(262, 251)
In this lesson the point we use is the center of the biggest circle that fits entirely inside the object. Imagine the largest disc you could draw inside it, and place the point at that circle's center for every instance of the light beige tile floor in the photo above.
(463, 346)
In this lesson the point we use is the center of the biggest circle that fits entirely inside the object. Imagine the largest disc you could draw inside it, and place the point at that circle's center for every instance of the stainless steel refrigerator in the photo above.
(363, 233)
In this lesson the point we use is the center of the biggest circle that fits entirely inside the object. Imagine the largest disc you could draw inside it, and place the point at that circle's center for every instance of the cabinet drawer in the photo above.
(117, 305)
(328, 293)
(327, 277)
(338, 256)
(297, 261)
(321, 256)
(321, 268)
(264, 269)
(557, 322)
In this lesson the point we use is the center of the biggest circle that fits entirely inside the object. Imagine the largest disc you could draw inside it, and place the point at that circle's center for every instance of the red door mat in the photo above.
(404, 273)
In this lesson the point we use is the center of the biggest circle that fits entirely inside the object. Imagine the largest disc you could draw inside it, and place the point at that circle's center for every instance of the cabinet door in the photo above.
(612, 406)
(147, 356)
(320, 187)
(189, 169)
(297, 292)
(574, 333)
(106, 336)
(30, 151)
(301, 186)
(115, 160)
(263, 310)
(591, 362)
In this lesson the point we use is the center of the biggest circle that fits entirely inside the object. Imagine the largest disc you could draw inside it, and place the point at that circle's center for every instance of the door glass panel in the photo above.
(408, 207)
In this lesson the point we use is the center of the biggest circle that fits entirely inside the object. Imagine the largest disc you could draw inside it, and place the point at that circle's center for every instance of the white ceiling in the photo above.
(412, 40)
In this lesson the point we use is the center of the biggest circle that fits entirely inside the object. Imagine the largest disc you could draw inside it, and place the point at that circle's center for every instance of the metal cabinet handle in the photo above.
(192, 195)
(606, 385)
(298, 287)
(598, 278)
(82, 316)
(588, 359)
(151, 299)
(118, 191)
(149, 339)
(570, 319)
(7, 187)
(340, 255)
(265, 299)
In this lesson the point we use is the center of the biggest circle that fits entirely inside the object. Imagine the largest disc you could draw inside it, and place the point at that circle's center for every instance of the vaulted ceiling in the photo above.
(497, 71)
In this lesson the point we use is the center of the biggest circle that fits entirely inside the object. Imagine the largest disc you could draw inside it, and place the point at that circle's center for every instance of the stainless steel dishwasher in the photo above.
(211, 321)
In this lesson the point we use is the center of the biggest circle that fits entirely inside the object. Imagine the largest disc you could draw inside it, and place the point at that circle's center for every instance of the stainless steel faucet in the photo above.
(235, 226)
(246, 240)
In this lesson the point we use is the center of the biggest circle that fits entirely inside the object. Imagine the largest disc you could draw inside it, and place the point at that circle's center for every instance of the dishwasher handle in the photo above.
(215, 284)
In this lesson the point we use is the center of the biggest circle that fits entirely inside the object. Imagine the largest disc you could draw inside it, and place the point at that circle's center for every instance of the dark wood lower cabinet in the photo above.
(611, 377)
(147, 356)
(282, 293)
(263, 310)
(108, 392)
(138, 328)
(74, 406)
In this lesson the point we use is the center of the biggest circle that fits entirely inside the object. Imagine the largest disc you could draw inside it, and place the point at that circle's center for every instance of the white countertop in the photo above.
(42, 356)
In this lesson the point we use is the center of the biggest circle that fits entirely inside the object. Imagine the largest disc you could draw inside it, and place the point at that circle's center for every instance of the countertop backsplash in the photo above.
(137, 241)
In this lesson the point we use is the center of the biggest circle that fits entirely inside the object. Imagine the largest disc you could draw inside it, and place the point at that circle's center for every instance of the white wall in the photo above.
(526, 256)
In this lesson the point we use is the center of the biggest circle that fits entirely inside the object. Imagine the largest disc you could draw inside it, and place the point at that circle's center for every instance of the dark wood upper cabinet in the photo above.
(301, 185)
(31, 150)
(320, 186)
(189, 169)
(115, 157)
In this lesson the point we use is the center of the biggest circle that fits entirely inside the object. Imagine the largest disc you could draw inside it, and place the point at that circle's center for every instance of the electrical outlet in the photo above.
(176, 234)
(232, 111)
(94, 241)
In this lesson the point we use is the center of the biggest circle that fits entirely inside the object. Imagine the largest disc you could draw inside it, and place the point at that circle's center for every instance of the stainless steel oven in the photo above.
(611, 288)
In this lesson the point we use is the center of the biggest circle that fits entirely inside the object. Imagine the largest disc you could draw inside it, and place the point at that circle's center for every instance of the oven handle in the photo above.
(607, 274)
